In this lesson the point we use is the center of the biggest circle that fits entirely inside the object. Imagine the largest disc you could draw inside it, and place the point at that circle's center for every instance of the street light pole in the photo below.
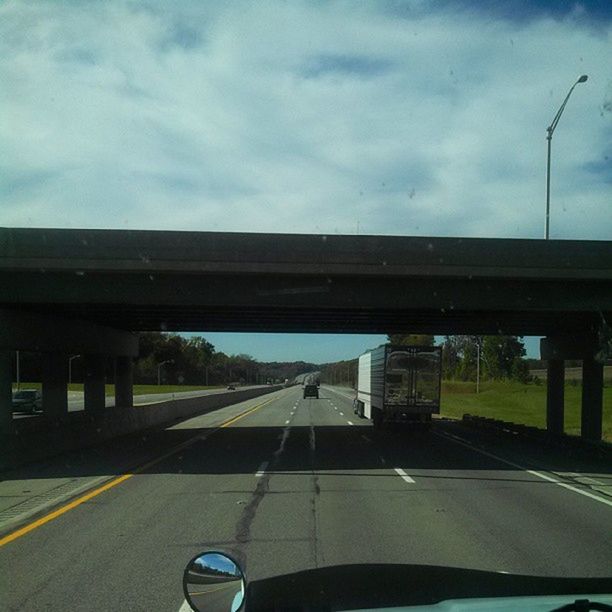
(477, 367)
(159, 367)
(70, 367)
(550, 129)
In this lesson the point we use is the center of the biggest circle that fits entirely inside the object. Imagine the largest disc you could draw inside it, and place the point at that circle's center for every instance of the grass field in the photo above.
(518, 403)
(138, 389)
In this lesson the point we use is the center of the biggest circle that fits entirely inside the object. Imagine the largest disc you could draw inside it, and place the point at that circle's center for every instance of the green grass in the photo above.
(138, 389)
(518, 403)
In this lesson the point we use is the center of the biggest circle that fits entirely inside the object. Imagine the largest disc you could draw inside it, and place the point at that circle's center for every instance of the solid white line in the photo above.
(458, 440)
(262, 469)
(349, 423)
(185, 607)
(404, 475)
(571, 488)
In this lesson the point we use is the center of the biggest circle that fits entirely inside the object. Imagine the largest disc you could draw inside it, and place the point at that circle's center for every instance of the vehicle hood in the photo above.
(351, 587)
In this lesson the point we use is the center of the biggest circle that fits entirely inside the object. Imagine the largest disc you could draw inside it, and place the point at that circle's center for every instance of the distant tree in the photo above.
(520, 370)
(451, 357)
(499, 353)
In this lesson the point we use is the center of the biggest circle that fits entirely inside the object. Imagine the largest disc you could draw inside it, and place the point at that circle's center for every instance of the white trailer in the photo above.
(399, 384)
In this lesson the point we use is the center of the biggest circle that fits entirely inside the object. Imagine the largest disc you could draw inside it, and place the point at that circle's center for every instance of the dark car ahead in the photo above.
(27, 400)
(311, 391)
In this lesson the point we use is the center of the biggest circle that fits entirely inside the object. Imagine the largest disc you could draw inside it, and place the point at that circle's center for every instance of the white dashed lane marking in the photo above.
(404, 476)
(262, 469)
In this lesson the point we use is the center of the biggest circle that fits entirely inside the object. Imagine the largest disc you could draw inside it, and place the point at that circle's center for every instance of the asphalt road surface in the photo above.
(303, 483)
(214, 597)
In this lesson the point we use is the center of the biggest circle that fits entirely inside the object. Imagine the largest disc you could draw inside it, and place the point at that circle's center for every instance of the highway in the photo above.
(214, 596)
(284, 484)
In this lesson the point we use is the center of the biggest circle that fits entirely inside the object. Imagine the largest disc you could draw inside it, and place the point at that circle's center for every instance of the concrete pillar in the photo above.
(555, 381)
(94, 382)
(55, 385)
(592, 399)
(6, 394)
(124, 391)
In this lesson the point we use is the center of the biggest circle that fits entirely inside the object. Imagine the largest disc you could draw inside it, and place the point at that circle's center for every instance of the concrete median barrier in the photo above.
(39, 438)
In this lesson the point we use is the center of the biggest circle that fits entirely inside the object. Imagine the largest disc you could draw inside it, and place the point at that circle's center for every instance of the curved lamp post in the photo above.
(550, 129)
(159, 367)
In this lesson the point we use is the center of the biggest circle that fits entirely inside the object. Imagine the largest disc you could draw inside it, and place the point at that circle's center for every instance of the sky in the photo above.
(219, 562)
(387, 118)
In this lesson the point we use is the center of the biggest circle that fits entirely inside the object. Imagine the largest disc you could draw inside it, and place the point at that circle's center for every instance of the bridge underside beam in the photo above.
(34, 331)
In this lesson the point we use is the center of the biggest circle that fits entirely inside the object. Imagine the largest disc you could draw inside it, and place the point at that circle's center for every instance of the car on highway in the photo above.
(311, 391)
(27, 400)
(231, 387)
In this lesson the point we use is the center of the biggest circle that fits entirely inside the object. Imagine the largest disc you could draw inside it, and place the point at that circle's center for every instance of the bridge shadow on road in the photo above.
(329, 449)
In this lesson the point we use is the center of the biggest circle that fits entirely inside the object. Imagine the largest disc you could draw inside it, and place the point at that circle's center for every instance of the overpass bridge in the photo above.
(88, 291)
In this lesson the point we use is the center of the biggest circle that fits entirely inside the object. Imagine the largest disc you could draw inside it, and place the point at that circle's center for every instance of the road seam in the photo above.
(262, 469)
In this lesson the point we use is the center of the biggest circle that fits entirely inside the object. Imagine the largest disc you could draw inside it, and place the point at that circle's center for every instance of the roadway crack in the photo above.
(243, 527)
(316, 551)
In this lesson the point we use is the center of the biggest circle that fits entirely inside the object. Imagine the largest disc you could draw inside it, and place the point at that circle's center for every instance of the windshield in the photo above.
(310, 284)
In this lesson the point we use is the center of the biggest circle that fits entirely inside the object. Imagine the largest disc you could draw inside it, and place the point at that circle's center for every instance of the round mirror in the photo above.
(213, 582)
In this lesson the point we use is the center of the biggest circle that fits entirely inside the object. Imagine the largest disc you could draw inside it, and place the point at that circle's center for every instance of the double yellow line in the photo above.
(119, 479)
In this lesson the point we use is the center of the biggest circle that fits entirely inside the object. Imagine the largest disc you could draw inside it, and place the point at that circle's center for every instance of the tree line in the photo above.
(195, 361)
(174, 359)
(501, 357)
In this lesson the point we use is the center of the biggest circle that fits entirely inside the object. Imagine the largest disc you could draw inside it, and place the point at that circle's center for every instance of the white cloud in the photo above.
(301, 117)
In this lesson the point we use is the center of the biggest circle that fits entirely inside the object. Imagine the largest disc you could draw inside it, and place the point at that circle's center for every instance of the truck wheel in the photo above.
(377, 418)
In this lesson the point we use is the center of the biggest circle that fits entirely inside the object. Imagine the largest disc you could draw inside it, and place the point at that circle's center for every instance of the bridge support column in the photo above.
(124, 390)
(555, 382)
(55, 385)
(592, 399)
(6, 394)
(94, 382)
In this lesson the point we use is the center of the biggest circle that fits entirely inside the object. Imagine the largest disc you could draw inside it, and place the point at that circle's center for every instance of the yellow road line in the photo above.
(115, 481)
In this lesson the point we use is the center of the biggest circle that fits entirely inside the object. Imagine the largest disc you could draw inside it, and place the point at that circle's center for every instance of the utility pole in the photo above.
(477, 367)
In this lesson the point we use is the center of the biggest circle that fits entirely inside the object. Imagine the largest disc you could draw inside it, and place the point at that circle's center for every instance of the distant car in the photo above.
(231, 388)
(27, 400)
(311, 391)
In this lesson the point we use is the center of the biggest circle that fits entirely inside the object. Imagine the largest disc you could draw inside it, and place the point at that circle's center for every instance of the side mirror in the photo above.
(214, 582)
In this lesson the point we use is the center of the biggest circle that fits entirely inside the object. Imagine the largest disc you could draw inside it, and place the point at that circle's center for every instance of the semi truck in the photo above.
(399, 384)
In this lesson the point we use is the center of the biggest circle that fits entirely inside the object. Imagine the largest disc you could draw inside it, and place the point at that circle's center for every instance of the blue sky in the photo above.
(312, 348)
(219, 562)
(397, 118)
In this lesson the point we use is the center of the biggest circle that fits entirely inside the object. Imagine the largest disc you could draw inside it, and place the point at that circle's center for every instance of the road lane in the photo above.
(215, 597)
(283, 496)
